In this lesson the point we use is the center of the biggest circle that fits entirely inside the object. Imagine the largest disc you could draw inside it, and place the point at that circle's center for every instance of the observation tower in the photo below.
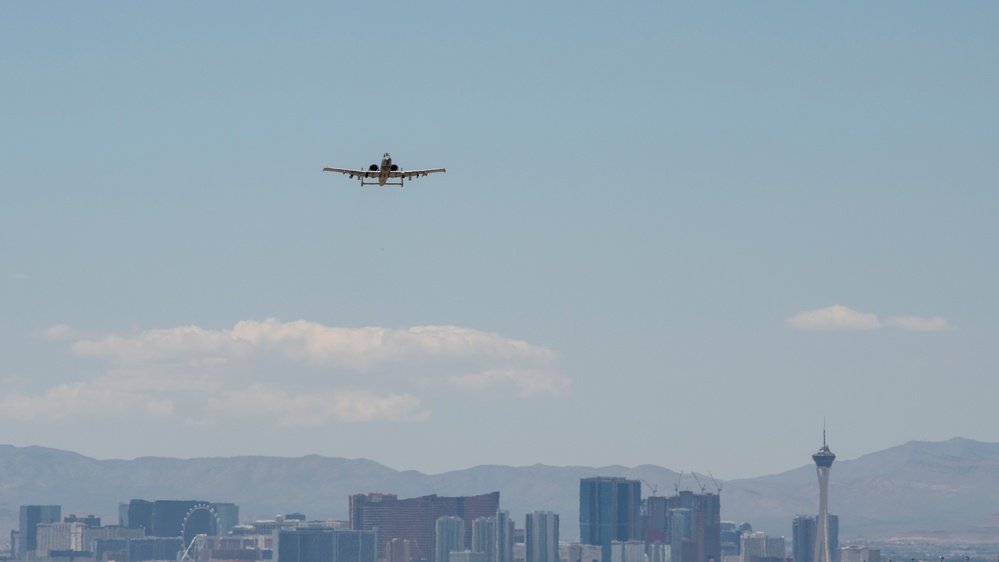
(823, 462)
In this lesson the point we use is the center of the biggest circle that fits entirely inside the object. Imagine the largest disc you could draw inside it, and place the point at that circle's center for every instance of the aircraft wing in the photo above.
(353, 173)
(410, 174)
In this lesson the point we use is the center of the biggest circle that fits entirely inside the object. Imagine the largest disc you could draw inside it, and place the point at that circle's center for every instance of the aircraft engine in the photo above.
(373, 168)
(395, 168)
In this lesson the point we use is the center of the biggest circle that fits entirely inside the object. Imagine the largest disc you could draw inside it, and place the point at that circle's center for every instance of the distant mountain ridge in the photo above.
(940, 489)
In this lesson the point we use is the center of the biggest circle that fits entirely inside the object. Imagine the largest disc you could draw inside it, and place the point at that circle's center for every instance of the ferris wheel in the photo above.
(201, 519)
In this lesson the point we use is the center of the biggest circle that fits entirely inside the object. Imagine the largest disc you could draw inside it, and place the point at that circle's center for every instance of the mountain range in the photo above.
(946, 490)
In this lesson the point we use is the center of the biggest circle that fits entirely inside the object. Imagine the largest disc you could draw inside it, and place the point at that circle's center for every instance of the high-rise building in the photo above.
(228, 516)
(354, 546)
(153, 548)
(91, 534)
(859, 554)
(31, 517)
(833, 532)
(758, 547)
(397, 550)
(137, 514)
(579, 552)
(803, 538)
(681, 534)
(705, 526)
(658, 552)
(654, 522)
(627, 551)
(59, 536)
(88, 520)
(731, 534)
(609, 510)
(504, 536)
(484, 537)
(449, 536)
(803, 531)
(414, 518)
(169, 518)
(541, 537)
(326, 545)
(179, 518)
(823, 462)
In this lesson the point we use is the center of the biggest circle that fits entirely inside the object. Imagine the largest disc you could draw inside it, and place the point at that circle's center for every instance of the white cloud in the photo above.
(354, 348)
(161, 345)
(58, 332)
(525, 383)
(297, 374)
(309, 410)
(917, 323)
(843, 318)
(834, 318)
(78, 400)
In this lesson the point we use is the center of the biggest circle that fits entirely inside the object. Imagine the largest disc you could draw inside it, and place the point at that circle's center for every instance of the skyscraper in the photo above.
(541, 537)
(609, 510)
(504, 536)
(803, 532)
(174, 518)
(628, 551)
(758, 547)
(833, 535)
(325, 545)
(681, 531)
(859, 554)
(803, 538)
(823, 462)
(484, 537)
(449, 536)
(654, 519)
(414, 518)
(31, 517)
(704, 535)
(731, 537)
(59, 536)
(397, 550)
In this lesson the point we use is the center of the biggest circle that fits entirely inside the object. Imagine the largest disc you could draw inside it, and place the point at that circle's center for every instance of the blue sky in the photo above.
(668, 234)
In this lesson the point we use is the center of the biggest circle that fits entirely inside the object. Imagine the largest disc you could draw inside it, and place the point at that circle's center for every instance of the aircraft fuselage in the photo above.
(384, 169)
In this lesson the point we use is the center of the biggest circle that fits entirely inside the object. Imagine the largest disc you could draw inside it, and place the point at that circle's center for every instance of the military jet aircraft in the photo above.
(381, 174)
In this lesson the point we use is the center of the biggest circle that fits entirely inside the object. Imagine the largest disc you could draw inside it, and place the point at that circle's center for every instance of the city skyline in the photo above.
(694, 523)
(708, 207)
(554, 488)
(301, 540)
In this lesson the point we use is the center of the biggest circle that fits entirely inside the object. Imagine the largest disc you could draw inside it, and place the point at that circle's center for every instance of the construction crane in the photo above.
(699, 485)
(718, 486)
(676, 486)
(651, 487)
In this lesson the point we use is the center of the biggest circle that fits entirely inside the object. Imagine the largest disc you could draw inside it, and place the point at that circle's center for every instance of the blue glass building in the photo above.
(609, 510)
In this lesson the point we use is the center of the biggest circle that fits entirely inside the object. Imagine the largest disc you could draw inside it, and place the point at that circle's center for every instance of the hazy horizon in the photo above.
(839, 461)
